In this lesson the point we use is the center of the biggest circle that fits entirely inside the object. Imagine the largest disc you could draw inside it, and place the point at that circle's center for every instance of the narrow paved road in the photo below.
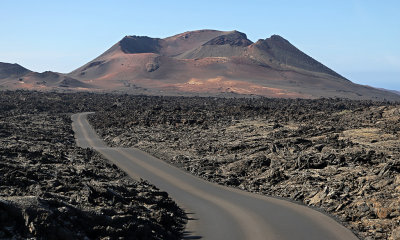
(217, 212)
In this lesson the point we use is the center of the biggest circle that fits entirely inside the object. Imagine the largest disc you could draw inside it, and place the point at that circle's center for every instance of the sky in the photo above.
(359, 39)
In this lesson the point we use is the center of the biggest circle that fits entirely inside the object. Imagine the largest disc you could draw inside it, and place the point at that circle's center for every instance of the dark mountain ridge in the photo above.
(15, 70)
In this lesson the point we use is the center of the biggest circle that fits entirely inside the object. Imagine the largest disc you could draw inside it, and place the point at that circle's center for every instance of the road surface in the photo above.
(216, 212)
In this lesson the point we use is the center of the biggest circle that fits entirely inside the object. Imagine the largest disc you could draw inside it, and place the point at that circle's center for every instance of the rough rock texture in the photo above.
(138, 44)
(336, 155)
(50, 189)
(234, 38)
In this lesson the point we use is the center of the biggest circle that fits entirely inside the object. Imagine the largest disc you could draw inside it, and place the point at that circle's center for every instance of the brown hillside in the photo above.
(209, 62)
(203, 62)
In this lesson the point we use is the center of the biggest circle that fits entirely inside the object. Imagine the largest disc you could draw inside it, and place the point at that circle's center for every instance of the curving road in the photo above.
(216, 212)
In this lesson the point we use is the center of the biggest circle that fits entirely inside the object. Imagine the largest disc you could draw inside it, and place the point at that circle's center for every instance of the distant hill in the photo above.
(392, 91)
(388, 90)
(205, 63)
(12, 70)
(14, 76)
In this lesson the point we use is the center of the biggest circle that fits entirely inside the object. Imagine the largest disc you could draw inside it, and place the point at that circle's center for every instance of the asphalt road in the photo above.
(216, 212)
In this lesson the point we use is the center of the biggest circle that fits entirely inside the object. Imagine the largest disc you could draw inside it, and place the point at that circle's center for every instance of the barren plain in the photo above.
(339, 156)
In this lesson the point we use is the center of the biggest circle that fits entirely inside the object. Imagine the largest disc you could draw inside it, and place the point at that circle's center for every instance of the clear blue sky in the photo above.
(359, 39)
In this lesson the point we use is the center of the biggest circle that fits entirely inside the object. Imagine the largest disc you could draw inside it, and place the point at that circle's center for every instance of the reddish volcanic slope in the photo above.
(209, 62)
(204, 62)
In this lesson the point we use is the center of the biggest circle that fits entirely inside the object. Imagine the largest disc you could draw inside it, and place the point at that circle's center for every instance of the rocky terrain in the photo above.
(51, 189)
(339, 156)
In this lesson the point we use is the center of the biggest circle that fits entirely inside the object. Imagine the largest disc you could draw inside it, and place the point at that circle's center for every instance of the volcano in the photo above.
(208, 63)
